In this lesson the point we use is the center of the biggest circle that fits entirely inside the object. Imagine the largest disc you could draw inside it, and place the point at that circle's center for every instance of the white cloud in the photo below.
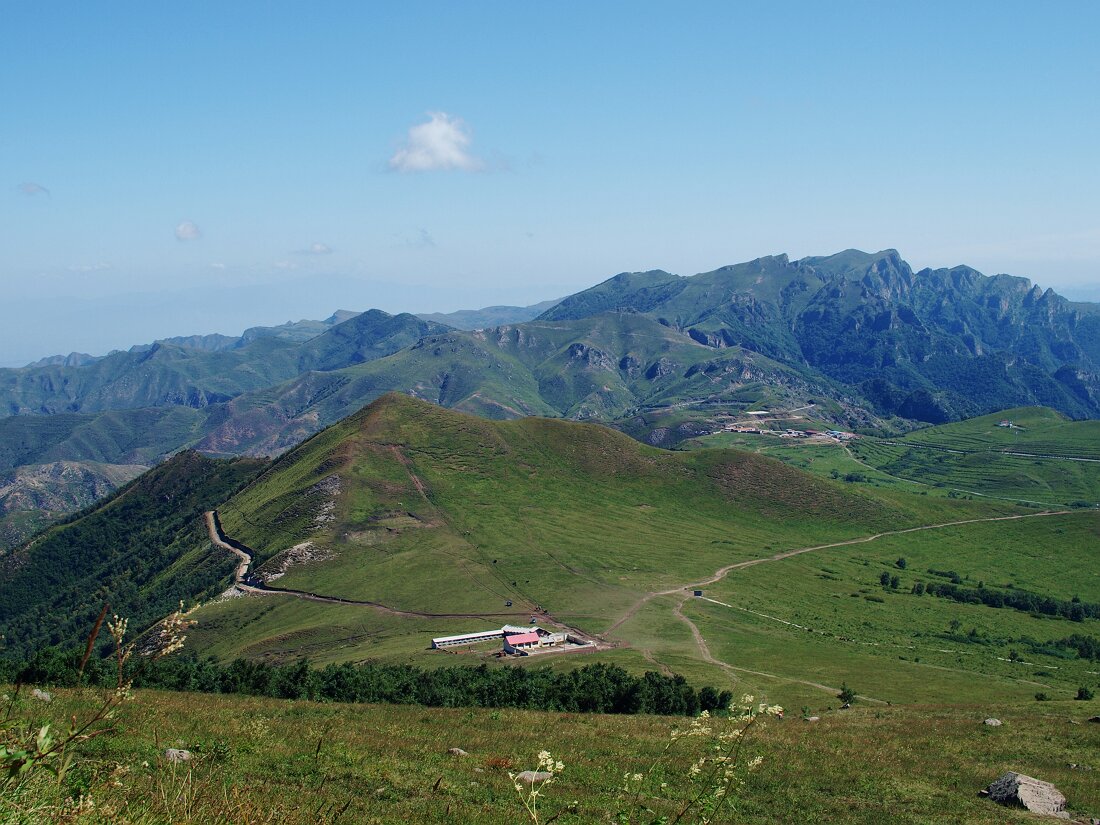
(188, 231)
(285, 265)
(441, 143)
(217, 265)
(30, 188)
(315, 249)
(99, 267)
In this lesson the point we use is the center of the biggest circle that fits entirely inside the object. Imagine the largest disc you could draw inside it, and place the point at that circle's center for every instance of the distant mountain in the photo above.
(934, 345)
(213, 342)
(174, 374)
(488, 316)
(858, 336)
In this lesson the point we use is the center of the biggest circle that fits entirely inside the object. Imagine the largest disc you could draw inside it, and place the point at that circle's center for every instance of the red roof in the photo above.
(522, 639)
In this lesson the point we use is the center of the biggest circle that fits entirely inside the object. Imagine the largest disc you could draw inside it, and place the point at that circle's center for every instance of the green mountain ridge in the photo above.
(860, 336)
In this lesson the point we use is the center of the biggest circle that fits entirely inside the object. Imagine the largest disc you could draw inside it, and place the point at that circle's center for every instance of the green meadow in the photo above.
(291, 762)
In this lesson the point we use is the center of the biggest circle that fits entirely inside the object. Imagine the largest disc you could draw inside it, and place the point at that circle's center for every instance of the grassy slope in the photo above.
(142, 551)
(966, 457)
(584, 522)
(917, 764)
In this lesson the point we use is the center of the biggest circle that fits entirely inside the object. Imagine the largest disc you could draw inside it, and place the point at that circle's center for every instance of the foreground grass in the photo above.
(266, 760)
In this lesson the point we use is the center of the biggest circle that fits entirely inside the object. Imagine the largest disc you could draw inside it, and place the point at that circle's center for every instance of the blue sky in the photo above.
(169, 169)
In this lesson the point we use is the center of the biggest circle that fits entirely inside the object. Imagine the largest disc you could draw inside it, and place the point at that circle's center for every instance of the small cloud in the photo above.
(217, 265)
(285, 265)
(420, 239)
(188, 231)
(30, 189)
(440, 144)
(315, 249)
(89, 267)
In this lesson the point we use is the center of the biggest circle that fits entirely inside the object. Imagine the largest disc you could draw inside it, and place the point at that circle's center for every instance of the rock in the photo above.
(1094, 719)
(813, 718)
(457, 752)
(41, 695)
(1027, 792)
(993, 723)
(177, 755)
(531, 777)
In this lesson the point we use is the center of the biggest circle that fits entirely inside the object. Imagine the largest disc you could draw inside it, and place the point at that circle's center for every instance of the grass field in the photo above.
(1044, 460)
(275, 761)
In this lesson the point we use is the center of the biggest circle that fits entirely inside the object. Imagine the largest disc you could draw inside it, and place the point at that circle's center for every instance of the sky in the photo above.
(170, 169)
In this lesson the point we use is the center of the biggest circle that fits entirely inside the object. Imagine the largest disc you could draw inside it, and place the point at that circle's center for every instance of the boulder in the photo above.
(177, 755)
(1094, 719)
(457, 752)
(812, 718)
(1021, 791)
(993, 723)
(531, 777)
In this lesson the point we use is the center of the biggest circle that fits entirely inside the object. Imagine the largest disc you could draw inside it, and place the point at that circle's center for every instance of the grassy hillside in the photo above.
(443, 517)
(1037, 430)
(1043, 460)
(302, 762)
(142, 551)
(414, 521)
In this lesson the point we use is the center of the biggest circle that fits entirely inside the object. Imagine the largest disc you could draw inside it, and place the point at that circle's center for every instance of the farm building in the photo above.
(474, 638)
(520, 642)
(536, 640)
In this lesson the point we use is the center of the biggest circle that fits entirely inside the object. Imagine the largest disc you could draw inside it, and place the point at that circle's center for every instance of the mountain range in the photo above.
(862, 337)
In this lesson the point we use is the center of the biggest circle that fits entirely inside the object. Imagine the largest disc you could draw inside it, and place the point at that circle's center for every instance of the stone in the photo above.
(457, 752)
(531, 777)
(41, 695)
(1016, 789)
(993, 723)
(1094, 719)
(177, 755)
(813, 718)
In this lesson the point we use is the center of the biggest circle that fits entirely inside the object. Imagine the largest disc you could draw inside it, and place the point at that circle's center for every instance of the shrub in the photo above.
(1084, 694)
(846, 695)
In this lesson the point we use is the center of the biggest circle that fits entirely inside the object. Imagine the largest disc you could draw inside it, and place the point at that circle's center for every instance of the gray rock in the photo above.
(457, 752)
(1021, 791)
(177, 755)
(1094, 719)
(531, 777)
(993, 723)
(813, 718)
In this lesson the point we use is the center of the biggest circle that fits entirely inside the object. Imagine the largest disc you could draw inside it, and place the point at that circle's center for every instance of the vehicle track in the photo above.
(722, 572)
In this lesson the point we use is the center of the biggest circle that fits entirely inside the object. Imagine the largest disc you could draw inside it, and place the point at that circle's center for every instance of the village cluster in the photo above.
(517, 640)
(836, 435)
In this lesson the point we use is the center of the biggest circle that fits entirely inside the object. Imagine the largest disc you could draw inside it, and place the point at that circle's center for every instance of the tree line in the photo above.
(1074, 609)
(594, 688)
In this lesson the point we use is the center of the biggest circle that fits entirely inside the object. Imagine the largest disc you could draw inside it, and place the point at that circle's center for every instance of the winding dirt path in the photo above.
(254, 586)
(722, 572)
